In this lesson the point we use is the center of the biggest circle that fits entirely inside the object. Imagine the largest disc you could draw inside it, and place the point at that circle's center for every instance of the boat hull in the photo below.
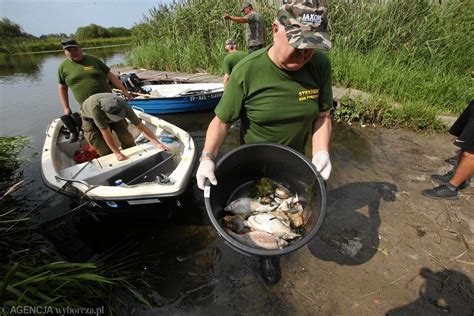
(179, 98)
(152, 177)
(178, 105)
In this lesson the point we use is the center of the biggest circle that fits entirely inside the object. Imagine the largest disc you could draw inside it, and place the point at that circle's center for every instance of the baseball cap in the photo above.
(244, 5)
(305, 24)
(230, 41)
(114, 106)
(69, 42)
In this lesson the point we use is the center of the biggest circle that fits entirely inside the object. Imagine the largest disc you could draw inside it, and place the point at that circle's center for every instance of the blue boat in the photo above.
(178, 98)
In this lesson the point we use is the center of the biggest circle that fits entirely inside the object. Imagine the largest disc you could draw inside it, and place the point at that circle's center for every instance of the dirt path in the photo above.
(384, 248)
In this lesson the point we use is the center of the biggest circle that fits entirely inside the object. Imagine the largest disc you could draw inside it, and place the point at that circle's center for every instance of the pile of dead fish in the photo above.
(271, 221)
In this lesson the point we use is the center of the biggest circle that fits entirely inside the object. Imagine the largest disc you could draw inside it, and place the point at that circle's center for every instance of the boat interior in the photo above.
(182, 90)
(145, 163)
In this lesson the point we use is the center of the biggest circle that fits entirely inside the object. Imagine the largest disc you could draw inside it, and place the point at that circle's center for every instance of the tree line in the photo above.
(10, 30)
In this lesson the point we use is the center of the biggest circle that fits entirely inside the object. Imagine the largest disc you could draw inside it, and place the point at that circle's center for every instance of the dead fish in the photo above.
(271, 224)
(283, 216)
(259, 239)
(248, 205)
(265, 200)
(236, 223)
(282, 192)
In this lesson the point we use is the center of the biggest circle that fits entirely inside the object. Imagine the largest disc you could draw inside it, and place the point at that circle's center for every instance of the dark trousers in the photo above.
(463, 129)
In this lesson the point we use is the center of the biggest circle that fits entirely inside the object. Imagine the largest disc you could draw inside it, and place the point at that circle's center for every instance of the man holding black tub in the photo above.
(282, 94)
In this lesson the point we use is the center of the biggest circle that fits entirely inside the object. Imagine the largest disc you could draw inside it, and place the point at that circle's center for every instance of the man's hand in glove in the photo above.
(206, 170)
(323, 163)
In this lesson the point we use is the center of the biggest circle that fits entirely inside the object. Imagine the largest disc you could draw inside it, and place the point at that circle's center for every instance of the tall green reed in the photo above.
(408, 50)
(33, 273)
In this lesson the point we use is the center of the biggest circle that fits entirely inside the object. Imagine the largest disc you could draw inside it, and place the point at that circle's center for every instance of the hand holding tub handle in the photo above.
(206, 170)
(323, 163)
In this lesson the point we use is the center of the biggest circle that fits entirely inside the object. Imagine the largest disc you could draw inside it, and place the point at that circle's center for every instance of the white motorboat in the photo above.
(148, 176)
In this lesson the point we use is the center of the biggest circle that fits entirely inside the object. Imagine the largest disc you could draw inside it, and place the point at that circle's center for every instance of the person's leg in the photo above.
(464, 169)
(464, 129)
(124, 136)
(94, 137)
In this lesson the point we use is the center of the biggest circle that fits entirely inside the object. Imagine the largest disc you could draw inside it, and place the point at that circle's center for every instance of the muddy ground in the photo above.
(383, 249)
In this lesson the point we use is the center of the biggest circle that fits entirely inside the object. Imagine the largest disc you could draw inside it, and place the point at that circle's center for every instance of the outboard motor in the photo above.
(131, 82)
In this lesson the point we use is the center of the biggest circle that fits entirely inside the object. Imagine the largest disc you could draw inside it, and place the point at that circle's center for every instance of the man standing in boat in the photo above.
(104, 112)
(85, 75)
(255, 33)
(232, 58)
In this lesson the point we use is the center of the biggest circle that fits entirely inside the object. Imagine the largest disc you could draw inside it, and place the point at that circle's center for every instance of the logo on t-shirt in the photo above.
(311, 94)
(88, 68)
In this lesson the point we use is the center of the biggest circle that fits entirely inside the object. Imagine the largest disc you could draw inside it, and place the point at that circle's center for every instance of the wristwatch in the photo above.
(207, 154)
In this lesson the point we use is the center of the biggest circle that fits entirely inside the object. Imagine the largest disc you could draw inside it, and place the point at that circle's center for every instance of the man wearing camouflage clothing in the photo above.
(282, 94)
(255, 33)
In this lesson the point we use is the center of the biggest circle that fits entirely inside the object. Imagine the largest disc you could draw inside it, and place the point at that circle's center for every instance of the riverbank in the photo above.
(353, 106)
(54, 45)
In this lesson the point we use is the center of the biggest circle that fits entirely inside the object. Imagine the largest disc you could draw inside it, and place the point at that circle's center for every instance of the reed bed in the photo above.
(32, 273)
(408, 51)
(54, 44)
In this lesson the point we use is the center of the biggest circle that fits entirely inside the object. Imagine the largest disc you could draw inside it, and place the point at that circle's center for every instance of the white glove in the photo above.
(323, 163)
(206, 170)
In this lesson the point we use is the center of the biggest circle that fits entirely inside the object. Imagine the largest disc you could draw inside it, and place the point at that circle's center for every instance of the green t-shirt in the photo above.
(275, 105)
(255, 27)
(91, 109)
(231, 60)
(84, 78)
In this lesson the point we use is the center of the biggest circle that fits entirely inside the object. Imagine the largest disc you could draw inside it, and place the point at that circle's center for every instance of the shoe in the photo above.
(453, 161)
(270, 269)
(444, 178)
(441, 192)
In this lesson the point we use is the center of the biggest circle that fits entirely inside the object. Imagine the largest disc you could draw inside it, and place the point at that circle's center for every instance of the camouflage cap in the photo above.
(230, 41)
(305, 24)
(244, 5)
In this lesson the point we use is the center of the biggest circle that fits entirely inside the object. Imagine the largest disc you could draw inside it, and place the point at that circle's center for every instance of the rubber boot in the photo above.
(78, 121)
(270, 269)
(70, 125)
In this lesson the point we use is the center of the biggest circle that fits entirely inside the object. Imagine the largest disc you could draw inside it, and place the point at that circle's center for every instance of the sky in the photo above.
(40, 17)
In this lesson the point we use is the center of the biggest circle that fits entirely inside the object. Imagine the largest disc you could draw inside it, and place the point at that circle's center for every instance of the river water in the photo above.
(182, 258)
(175, 249)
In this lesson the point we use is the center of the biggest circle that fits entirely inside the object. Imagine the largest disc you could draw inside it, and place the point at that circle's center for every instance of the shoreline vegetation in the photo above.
(34, 273)
(408, 52)
(50, 45)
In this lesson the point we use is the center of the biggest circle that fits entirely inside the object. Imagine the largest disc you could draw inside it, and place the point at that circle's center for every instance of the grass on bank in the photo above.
(33, 273)
(408, 51)
(51, 44)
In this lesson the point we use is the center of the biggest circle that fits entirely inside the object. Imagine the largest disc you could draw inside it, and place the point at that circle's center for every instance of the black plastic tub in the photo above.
(238, 170)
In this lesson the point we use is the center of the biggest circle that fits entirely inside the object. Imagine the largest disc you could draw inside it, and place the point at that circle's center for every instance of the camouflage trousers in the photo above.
(94, 137)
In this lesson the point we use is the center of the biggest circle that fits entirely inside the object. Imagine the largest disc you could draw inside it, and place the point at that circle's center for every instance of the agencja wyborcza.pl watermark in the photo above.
(50, 310)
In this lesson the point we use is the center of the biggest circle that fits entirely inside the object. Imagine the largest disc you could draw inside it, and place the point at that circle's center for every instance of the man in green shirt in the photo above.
(104, 112)
(282, 94)
(231, 59)
(255, 33)
(85, 75)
